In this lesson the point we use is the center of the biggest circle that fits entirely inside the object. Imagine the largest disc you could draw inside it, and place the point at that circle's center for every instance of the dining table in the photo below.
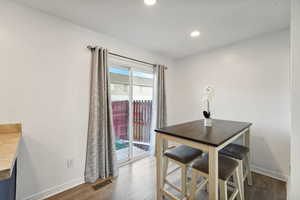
(208, 139)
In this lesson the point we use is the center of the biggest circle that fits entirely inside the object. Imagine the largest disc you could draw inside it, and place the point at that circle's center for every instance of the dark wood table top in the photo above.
(220, 132)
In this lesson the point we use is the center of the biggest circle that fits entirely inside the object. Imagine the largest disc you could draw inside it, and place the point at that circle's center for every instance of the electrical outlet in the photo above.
(70, 163)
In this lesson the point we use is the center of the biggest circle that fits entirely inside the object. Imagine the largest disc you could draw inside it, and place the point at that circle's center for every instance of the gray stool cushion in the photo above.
(226, 166)
(183, 154)
(235, 151)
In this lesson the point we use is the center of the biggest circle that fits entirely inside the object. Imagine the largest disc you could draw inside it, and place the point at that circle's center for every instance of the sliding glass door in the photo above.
(142, 85)
(132, 94)
(120, 96)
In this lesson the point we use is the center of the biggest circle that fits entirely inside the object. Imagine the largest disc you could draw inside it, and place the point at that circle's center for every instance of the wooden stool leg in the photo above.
(165, 169)
(193, 186)
(248, 171)
(223, 190)
(237, 182)
(184, 180)
(241, 177)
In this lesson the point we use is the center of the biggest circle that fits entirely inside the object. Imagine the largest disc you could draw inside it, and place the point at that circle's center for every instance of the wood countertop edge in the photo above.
(10, 156)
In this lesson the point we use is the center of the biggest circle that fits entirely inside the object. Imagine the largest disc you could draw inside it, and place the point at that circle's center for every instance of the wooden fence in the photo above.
(142, 115)
(120, 110)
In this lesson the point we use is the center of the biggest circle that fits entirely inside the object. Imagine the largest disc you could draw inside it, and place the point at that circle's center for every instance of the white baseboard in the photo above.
(55, 190)
(270, 173)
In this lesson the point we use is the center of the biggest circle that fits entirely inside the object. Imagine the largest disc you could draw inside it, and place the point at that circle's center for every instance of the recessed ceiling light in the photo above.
(195, 34)
(150, 2)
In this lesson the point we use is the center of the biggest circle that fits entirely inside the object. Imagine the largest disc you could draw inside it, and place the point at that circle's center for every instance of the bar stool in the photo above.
(227, 168)
(241, 155)
(182, 156)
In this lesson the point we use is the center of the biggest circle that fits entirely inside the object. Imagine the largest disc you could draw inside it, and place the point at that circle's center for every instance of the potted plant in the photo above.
(207, 98)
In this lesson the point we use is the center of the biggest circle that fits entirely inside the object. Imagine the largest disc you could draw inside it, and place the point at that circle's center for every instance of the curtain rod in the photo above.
(126, 57)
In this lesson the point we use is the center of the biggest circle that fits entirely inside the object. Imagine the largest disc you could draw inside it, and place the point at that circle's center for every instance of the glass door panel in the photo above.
(131, 93)
(120, 96)
(142, 95)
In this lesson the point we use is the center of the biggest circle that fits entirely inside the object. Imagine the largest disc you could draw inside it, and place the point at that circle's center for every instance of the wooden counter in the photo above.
(10, 135)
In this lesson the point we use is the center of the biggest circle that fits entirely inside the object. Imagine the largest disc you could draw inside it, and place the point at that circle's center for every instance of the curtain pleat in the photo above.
(101, 159)
(160, 103)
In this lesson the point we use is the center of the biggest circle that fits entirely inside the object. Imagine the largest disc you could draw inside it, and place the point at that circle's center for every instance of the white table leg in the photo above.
(159, 154)
(213, 173)
(248, 161)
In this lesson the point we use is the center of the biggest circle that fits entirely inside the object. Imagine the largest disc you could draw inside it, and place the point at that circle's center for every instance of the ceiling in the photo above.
(165, 27)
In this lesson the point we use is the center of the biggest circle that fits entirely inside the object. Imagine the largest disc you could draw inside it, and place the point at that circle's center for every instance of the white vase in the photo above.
(208, 122)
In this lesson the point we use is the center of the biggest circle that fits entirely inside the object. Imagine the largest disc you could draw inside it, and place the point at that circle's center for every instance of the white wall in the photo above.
(294, 193)
(44, 83)
(251, 80)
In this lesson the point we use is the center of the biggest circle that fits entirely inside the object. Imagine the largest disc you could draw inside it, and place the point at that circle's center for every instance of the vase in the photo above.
(208, 122)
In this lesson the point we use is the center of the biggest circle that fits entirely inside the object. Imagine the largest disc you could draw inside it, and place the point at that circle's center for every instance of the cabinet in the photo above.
(8, 186)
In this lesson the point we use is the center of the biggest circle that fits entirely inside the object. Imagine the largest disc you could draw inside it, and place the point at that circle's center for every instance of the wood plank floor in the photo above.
(137, 182)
